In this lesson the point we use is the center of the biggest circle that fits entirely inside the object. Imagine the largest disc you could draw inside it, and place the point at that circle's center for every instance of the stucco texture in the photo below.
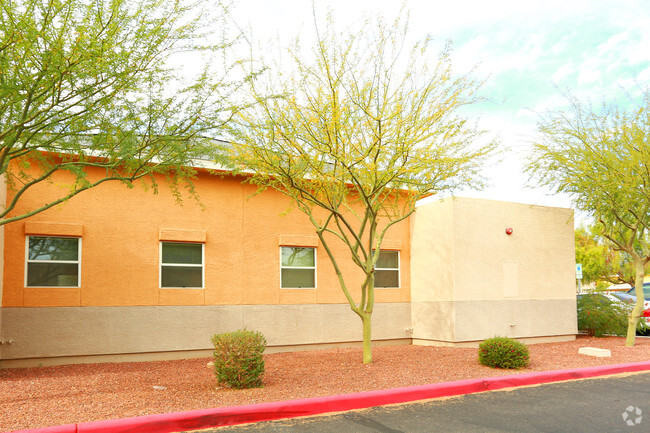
(122, 228)
(119, 307)
(471, 280)
(89, 331)
(462, 278)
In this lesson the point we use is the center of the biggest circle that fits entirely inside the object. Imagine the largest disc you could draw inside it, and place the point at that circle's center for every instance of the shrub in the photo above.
(598, 316)
(501, 352)
(238, 360)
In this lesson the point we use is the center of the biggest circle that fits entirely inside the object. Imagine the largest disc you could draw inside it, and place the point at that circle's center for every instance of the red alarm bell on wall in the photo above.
(509, 231)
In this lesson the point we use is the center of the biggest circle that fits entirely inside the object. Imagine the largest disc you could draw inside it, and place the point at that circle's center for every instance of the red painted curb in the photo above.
(536, 378)
(200, 419)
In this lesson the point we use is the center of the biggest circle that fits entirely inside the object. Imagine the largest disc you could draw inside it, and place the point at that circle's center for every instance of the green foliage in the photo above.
(600, 157)
(90, 83)
(593, 254)
(238, 359)
(601, 263)
(361, 128)
(502, 352)
(599, 316)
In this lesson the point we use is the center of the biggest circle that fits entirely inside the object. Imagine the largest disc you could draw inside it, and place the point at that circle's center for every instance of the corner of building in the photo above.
(483, 268)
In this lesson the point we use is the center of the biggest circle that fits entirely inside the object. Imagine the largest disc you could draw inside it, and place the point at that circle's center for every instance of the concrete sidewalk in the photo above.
(201, 419)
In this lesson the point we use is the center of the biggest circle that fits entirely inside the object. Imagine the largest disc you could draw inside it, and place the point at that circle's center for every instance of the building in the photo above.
(135, 276)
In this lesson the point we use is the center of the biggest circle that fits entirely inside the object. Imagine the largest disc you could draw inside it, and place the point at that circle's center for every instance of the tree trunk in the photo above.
(367, 340)
(633, 319)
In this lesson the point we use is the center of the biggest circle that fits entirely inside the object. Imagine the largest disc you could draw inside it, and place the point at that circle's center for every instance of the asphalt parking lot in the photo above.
(618, 403)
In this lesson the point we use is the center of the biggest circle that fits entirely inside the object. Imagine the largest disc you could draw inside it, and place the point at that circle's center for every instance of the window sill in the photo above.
(297, 288)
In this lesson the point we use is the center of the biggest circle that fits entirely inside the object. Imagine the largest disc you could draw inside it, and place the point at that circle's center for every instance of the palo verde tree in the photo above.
(592, 254)
(358, 131)
(91, 83)
(601, 263)
(601, 158)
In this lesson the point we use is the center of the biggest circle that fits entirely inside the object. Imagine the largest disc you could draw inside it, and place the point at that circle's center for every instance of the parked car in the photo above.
(625, 303)
(630, 295)
(603, 296)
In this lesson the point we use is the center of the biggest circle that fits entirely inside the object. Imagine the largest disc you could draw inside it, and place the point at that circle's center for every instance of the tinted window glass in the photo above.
(293, 256)
(49, 248)
(182, 253)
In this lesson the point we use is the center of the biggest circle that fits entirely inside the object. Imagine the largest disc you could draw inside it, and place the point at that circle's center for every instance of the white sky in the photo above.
(530, 51)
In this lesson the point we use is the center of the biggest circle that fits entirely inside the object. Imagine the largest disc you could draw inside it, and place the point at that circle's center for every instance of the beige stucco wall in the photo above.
(87, 331)
(471, 281)
(432, 252)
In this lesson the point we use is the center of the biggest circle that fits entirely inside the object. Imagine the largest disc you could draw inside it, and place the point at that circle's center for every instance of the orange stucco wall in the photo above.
(121, 229)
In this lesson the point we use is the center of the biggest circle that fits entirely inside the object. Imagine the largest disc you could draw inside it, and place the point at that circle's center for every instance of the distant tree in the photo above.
(91, 83)
(601, 263)
(602, 160)
(360, 131)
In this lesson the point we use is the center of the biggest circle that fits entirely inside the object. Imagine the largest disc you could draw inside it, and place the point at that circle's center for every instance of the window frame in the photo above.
(192, 265)
(77, 262)
(314, 268)
(398, 269)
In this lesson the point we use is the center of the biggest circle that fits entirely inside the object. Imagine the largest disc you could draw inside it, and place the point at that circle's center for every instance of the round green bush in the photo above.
(501, 352)
(238, 360)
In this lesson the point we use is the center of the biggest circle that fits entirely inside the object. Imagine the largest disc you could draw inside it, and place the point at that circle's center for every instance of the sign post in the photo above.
(579, 276)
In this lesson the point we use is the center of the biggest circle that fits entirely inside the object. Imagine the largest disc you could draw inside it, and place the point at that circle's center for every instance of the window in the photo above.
(53, 261)
(181, 265)
(297, 267)
(387, 269)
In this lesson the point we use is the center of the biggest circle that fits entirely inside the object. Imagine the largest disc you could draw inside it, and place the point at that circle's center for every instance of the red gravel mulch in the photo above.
(48, 396)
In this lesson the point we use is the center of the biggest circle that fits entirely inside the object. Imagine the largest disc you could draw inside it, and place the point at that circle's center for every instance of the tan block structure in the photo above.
(471, 280)
(461, 278)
